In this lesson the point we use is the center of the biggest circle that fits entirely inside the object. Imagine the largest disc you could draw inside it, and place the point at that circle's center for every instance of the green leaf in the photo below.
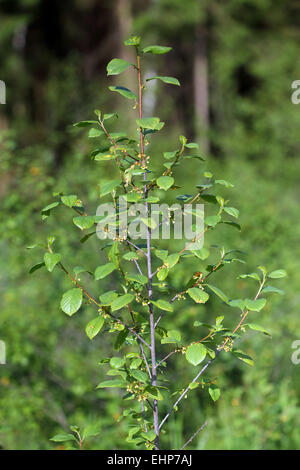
(132, 41)
(91, 430)
(78, 270)
(170, 155)
(130, 256)
(46, 210)
(152, 123)
(192, 145)
(279, 273)
(121, 302)
(203, 253)
(232, 211)
(193, 385)
(140, 375)
(105, 270)
(270, 289)
(170, 80)
(173, 336)
(69, 201)
(109, 116)
(124, 92)
(200, 323)
(238, 303)
(195, 354)
(113, 253)
(214, 392)
(224, 183)
(162, 274)
(161, 254)
(218, 292)
(112, 384)
(108, 187)
(117, 362)
(116, 66)
(86, 237)
(233, 224)
(149, 436)
(153, 392)
(243, 357)
(104, 156)
(71, 301)
(165, 182)
(137, 278)
(198, 295)
(251, 275)
(93, 133)
(254, 326)
(94, 326)
(84, 222)
(163, 305)
(255, 305)
(135, 364)
(85, 123)
(107, 298)
(63, 437)
(36, 267)
(132, 197)
(121, 338)
(209, 198)
(156, 49)
(51, 260)
(172, 260)
(212, 220)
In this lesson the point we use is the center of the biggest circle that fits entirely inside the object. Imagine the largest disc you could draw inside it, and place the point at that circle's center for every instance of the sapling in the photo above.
(137, 312)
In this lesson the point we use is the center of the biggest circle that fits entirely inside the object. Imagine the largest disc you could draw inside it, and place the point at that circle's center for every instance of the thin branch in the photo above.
(145, 360)
(187, 389)
(217, 352)
(138, 267)
(245, 314)
(144, 415)
(194, 435)
(113, 141)
(167, 357)
(135, 246)
(163, 313)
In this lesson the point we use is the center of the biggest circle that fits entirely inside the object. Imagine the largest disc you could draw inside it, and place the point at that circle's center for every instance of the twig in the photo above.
(145, 360)
(135, 246)
(138, 267)
(217, 352)
(144, 415)
(167, 357)
(187, 389)
(194, 435)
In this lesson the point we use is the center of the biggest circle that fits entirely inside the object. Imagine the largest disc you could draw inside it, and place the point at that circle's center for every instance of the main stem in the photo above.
(149, 268)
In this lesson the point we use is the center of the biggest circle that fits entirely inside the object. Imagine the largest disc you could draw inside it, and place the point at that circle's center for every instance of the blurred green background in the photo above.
(236, 61)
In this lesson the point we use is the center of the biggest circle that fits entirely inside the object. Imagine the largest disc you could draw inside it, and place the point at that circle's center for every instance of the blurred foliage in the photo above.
(53, 56)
